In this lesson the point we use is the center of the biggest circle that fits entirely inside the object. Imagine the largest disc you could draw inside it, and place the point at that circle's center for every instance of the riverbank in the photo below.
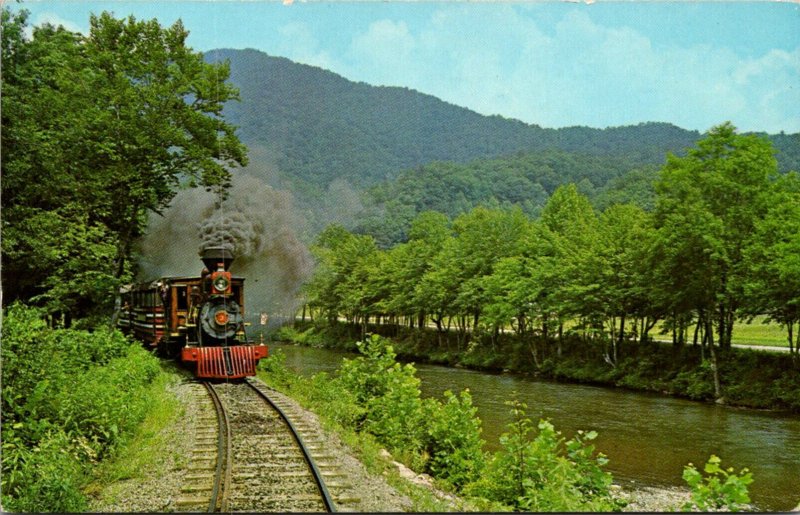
(748, 378)
(426, 492)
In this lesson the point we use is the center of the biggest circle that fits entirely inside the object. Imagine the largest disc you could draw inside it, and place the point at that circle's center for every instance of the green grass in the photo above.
(759, 333)
(140, 454)
(755, 333)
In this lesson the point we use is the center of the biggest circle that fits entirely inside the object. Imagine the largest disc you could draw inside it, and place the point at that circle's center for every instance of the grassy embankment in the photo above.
(749, 378)
(73, 403)
(142, 452)
(332, 408)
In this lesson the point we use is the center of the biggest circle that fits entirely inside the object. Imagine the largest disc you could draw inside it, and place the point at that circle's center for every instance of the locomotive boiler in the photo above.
(196, 319)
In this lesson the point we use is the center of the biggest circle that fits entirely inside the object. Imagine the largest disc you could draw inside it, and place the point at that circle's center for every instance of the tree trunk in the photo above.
(696, 331)
(123, 249)
(714, 364)
(560, 334)
(544, 328)
(534, 352)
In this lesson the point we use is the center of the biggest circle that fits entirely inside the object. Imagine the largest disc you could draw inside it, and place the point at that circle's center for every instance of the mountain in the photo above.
(320, 135)
(317, 126)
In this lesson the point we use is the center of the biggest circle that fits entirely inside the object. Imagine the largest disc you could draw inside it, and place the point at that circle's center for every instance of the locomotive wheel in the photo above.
(161, 350)
(169, 349)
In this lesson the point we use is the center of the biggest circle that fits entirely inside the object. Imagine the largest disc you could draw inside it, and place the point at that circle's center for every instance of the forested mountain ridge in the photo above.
(316, 126)
(524, 179)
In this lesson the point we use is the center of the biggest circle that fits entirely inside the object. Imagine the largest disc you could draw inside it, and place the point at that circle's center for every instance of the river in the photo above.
(648, 438)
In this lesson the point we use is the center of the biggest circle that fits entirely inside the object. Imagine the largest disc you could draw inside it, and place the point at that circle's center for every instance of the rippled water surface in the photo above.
(648, 438)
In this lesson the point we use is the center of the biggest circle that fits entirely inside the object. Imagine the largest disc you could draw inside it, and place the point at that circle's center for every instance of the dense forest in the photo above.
(526, 180)
(338, 146)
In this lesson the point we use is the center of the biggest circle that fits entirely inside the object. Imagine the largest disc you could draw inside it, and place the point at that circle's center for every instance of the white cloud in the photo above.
(299, 44)
(505, 61)
(385, 48)
(56, 20)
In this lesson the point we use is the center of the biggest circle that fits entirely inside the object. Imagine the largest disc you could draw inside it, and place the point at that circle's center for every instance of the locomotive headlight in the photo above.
(221, 283)
(221, 317)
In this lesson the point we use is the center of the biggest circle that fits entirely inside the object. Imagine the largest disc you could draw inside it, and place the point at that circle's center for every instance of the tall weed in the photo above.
(68, 398)
(720, 489)
(452, 439)
(389, 394)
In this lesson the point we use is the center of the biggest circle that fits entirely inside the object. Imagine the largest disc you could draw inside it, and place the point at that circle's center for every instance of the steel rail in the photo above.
(327, 499)
(221, 482)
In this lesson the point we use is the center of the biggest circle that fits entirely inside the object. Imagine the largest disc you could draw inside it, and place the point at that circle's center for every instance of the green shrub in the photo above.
(374, 393)
(25, 354)
(104, 402)
(453, 440)
(44, 478)
(286, 333)
(69, 396)
(720, 489)
(544, 472)
(389, 393)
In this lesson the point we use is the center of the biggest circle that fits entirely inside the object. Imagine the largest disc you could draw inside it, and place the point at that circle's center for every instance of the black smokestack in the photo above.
(214, 256)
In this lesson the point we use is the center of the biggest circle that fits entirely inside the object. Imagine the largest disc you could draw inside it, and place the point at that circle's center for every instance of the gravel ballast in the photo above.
(156, 489)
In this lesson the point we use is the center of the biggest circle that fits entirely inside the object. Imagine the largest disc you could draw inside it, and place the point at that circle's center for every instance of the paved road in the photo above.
(767, 348)
(761, 347)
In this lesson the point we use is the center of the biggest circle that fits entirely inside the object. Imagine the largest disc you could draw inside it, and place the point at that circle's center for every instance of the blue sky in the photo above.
(555, 64)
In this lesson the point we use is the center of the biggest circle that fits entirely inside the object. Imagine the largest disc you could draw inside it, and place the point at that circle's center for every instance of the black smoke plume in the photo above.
(256, 222)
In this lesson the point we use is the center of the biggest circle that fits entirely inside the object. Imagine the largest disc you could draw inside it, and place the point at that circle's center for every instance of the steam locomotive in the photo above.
(198, 320)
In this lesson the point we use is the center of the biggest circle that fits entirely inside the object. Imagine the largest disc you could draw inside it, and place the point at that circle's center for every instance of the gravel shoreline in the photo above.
(156, 489)
(655, 499)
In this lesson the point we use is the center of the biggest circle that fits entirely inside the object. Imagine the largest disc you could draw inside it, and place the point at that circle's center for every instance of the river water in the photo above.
(648, 438)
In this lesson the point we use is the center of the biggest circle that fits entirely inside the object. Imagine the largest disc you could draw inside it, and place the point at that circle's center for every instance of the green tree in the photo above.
(408, 262)
(610, 282)
(435, 293)
(707, 208)
(773, 261)
(339, 282)
(483, 237)
(565, 238)
(99, 130)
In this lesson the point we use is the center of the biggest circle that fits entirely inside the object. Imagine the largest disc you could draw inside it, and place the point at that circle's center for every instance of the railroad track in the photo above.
(250, 457)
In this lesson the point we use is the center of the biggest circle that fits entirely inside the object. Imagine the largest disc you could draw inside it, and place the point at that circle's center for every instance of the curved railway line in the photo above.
(250, 457)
